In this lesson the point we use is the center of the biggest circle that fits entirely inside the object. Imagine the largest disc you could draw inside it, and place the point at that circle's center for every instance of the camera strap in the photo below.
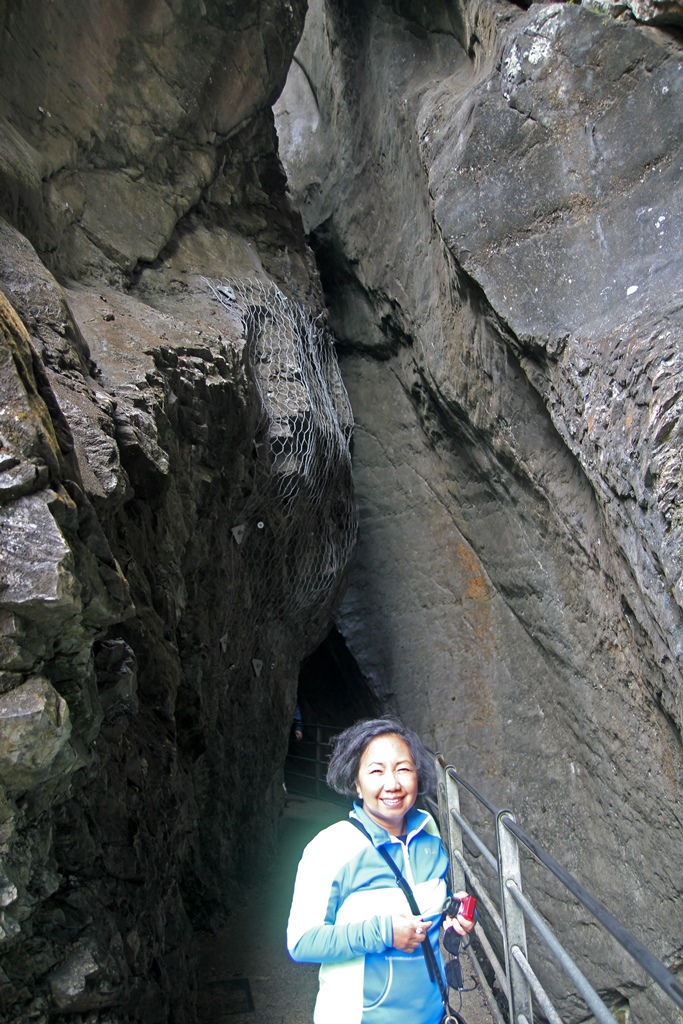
(430, 959)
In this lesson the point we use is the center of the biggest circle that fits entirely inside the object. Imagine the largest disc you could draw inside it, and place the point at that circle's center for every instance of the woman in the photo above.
(348, 914)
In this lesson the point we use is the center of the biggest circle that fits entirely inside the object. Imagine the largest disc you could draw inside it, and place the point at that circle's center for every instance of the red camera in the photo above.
(469, 907)
(466, 906)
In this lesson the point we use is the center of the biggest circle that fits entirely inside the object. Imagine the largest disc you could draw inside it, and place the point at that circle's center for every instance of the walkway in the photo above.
(247, 959)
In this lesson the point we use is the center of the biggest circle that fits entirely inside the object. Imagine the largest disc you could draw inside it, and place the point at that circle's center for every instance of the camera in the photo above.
(466, 906)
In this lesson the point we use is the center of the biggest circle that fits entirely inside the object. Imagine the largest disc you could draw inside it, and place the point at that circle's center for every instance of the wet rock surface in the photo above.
(148, 652)
(493, 195)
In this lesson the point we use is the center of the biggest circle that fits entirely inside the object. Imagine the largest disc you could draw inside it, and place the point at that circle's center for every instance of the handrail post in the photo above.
(449, 799)
(513, 921)
(318, 759)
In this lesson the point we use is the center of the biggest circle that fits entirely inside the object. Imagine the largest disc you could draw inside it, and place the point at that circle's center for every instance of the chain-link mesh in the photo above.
(298, 526)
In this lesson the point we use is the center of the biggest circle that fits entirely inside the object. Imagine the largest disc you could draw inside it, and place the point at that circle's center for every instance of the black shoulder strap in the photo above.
(400, 880)
(430, 959)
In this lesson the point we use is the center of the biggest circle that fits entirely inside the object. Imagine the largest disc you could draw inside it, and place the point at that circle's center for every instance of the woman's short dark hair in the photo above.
(350, 745)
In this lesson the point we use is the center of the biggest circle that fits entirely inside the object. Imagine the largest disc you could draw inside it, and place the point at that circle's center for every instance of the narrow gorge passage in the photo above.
(340, 362)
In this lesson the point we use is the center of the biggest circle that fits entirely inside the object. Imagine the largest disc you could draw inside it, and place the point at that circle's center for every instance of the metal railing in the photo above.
(511, 909)
(306, 764)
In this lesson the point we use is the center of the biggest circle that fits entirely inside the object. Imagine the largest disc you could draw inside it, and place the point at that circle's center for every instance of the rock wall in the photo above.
(152, 496)
(494, 196)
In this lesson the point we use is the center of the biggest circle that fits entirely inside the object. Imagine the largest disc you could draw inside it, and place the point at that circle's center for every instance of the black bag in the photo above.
(451, 943)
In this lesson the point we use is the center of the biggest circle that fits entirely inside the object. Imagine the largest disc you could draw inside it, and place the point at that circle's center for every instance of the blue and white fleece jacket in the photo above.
(344, 898)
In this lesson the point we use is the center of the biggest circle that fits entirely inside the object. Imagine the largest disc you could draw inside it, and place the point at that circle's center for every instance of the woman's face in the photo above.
(387, 782)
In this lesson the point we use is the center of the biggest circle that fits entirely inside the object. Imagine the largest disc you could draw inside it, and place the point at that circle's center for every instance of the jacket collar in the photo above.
(415, 821)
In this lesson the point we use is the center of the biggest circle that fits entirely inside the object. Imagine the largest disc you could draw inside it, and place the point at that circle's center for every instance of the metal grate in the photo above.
(298, 525)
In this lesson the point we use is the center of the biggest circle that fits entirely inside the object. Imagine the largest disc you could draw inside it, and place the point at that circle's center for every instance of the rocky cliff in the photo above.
(175, 497)
(494, 195)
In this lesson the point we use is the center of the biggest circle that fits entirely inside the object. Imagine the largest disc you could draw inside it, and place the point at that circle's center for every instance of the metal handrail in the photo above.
(312, 769)
(517, 980)
(640, 953)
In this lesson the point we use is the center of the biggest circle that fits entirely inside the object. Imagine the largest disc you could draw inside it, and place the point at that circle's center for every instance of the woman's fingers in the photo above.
(409, 932)
(466, 922)
(462, 925)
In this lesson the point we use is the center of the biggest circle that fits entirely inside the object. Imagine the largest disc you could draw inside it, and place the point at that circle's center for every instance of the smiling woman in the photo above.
(348, 913)
(387, 782)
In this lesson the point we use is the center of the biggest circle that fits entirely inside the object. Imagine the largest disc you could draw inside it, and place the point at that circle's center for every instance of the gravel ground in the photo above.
(248, 957)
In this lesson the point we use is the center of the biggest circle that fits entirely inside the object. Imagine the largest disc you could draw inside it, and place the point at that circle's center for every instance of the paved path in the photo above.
(248, 957)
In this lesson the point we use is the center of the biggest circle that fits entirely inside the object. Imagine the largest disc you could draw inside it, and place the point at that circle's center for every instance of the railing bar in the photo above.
(318, 725)
(655, 969)
(521, 1001)
(432, 806)
(478, 885)
(582, 984)
(298, 775)
(463, 782)
(481, 891)
(536, 987)
(491, 1001)
(498, 968)
(476, 840)
(629, 942)
(303, 757)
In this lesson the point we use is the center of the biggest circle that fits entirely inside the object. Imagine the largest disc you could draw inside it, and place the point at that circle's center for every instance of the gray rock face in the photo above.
(156, 514)
(34, 727)
(650, 12)
(494, 198)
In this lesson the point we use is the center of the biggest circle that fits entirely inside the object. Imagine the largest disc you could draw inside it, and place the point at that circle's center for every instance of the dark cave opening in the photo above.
(332, 694)
(332, 689)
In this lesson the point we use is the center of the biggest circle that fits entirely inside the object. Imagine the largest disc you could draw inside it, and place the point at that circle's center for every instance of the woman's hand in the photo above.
(409, 932)
(462, 925)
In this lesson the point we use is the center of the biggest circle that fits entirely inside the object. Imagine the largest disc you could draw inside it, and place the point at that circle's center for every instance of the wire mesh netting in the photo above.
(298, 525)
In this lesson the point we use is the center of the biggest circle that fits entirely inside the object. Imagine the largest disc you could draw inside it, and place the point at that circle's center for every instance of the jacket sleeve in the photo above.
(312, 934)
(330, 943)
